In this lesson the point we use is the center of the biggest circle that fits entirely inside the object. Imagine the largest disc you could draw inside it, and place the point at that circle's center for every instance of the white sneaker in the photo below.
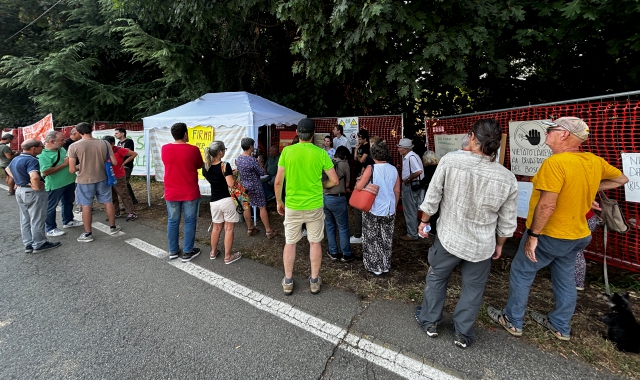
(73, 223)
(55, 232)
(355, 240)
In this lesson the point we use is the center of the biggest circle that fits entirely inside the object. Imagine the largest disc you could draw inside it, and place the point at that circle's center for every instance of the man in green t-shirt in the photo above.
(302, 166)
(59, 183)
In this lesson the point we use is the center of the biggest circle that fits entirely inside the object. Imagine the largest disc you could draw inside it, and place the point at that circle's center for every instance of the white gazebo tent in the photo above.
(233, 115)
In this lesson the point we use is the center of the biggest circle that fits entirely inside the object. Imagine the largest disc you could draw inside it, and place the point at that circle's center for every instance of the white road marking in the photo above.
(104, 228)
(387, 358)
(148, 248)
(4, 187)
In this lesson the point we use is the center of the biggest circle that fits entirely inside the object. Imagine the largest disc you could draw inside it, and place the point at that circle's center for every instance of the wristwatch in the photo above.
(530, 233)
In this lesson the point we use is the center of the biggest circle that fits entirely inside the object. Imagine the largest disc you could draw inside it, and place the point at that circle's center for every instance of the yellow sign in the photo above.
(201, 137)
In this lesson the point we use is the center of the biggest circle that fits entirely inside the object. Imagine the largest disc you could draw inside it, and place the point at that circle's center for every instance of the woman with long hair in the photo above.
(223, 208)
(250, 172)
(378, 223)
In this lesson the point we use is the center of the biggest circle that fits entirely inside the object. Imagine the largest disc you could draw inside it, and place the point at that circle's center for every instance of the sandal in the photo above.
(214, 254)
(236, 256)
(543, 321)
(253, 231)
(498, 317)
(272, 234)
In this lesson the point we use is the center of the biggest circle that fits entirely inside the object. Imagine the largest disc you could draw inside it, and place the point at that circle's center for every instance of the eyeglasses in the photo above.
(551, 129)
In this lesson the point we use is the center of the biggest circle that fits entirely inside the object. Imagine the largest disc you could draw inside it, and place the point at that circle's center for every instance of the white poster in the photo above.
(447, 143)
(350, 128)
(139, 163)
(527, 146)
(631, 168)
(525, 189)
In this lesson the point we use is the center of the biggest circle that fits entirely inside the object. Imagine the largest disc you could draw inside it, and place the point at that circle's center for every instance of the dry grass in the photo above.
(405, 283)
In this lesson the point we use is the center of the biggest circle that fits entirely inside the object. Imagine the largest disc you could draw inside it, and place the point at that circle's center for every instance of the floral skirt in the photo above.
(377, 241)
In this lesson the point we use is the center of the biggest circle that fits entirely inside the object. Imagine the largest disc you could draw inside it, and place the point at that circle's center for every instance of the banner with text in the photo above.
(447, 143)
(140, 162)
(38, 130)
(527, 146)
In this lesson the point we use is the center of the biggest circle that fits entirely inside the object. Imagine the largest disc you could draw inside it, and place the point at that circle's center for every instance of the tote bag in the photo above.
(238, 192)
(363, 199)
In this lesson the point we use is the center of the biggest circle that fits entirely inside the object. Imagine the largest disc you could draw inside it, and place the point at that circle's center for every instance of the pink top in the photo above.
(181, 164)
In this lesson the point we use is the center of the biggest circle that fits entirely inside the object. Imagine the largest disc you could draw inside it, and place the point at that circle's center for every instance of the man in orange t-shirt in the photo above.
(181, 191)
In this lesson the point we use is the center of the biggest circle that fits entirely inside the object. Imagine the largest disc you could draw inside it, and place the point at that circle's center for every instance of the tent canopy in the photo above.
(226, 108)
(233, 115)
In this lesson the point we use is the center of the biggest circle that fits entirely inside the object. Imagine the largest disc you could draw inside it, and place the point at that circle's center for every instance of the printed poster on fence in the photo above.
(201, 137)
(631, 168)
(38, 130)
(527, 146)
(447, 143)
(350, 127)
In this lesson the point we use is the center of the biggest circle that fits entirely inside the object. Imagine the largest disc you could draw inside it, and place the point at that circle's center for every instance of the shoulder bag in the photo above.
(415, 184)
(108, 167)
(611, 214)
(237, 191)
(363, 199)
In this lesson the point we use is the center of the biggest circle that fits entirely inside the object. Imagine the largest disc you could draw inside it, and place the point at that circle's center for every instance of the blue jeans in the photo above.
(336, 213)
(66, 194)
(560, 256)
(174, 210)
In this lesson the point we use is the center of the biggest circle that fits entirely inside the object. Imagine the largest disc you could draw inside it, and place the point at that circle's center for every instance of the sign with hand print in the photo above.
(527, 146)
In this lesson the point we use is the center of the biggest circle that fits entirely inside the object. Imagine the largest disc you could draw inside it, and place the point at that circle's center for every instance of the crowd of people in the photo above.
(470, 200)
(55, 174)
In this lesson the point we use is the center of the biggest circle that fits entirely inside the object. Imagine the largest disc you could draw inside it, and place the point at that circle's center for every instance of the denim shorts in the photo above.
(85, 192)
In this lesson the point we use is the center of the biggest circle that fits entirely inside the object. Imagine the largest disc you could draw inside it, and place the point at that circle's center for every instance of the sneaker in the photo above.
(355, 240)
(315, 286)
(334, 256)
(114, 230)
(85, 237)
(460, 340)
(28, 249)
(131, 216)
(304, 233)
(347, 259)
(47, 246)
(73, 223)
(287, 288)
(55, 232)
(431, 330)
(78, 210)
(186, 257)
(174, 255)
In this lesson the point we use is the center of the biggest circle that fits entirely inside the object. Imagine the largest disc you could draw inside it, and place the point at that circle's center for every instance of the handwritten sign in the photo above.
(201, 137)
(350, 126)
(447, 143)
(527, 145)
(140, 162)
(631, 168)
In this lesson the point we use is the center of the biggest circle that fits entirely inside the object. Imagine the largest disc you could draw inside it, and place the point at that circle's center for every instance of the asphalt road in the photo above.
(116, 308)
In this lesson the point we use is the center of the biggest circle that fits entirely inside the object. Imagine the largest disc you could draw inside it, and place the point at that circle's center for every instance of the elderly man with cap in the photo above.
(6, 155)
(411, 190)
(302, 166)
(31, 197)
(564, 189)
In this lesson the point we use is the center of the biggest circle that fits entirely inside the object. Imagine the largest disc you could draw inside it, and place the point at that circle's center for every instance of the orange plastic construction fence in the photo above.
(613, 127)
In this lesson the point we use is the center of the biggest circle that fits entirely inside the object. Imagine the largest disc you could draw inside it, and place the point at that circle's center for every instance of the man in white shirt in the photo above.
(412, 169)
(340, 139)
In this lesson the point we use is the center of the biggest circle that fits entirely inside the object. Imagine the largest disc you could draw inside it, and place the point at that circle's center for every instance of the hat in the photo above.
(574, 125)
(405, 143)
(306, 126)
(7, 136)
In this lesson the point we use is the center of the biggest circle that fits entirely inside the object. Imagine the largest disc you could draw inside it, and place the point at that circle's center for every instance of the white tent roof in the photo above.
(226, 108)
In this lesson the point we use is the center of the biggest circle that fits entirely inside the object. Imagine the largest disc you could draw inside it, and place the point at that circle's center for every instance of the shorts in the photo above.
(85, 192)
(293, 220)
(224, 210)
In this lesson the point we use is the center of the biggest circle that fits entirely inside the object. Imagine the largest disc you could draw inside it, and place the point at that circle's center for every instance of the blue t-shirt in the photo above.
(21, 166)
